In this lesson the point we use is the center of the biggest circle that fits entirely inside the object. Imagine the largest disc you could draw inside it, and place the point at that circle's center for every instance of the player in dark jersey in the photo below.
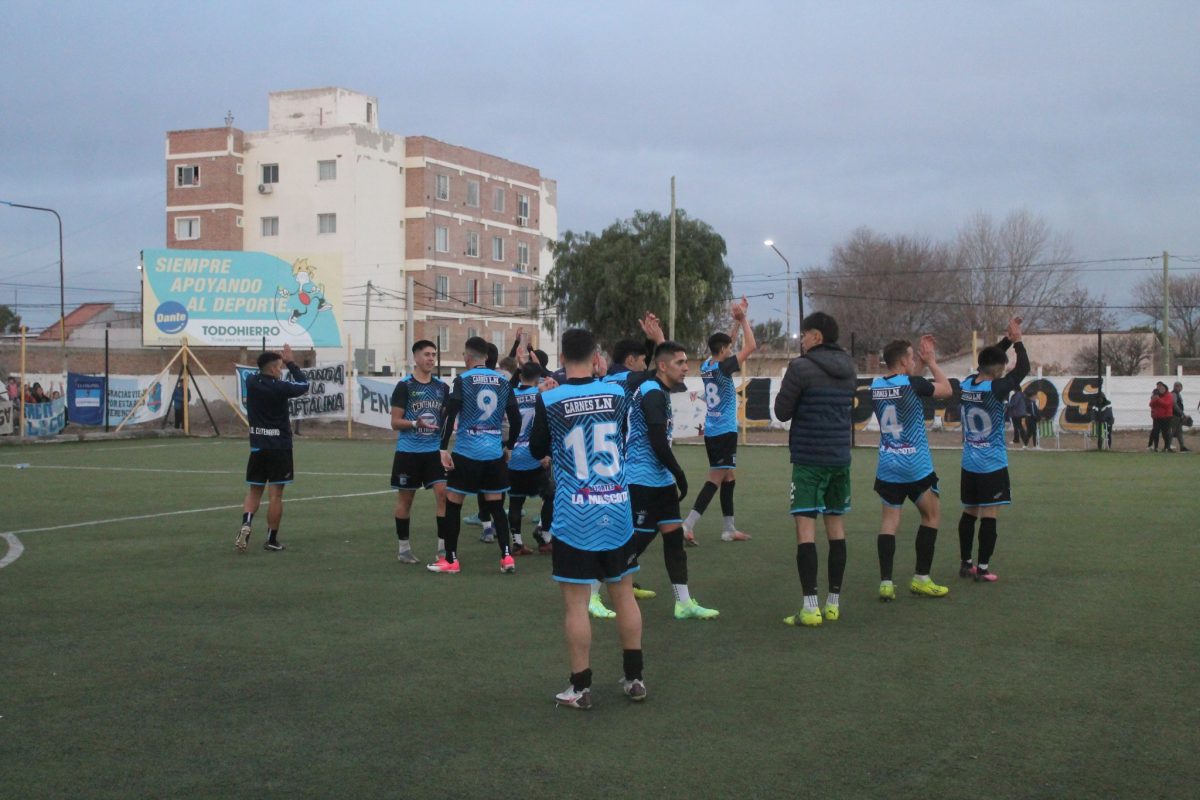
(270, 464)
(418, 410)
(720, 423)
(480, 400)
(985, 485)
(579, 425)
(905, 468)
(528, 476)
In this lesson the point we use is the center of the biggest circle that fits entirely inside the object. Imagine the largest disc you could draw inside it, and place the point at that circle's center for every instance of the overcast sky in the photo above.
(796, 121)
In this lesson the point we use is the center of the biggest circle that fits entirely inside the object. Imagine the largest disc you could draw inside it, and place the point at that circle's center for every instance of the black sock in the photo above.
(675, 557)
(885, 545)
(966, 536)
(987, 539)
(271, 534)
(547, 512)
(837, 564)
(402, 529)
(926, 538)
(485, 513)
(453, 528)
(727, 498)
(515, 504)
(247, 516)
(642, 540)
(633, 665)
(704, 497)
(581, 680)
(496, 512)
(806, 565)
(441, 526)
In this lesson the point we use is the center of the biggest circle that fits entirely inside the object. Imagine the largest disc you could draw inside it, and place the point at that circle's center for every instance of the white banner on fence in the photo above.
(123, 394)
(46, 419)
(326, 394)
(373, 401)
(8, 415)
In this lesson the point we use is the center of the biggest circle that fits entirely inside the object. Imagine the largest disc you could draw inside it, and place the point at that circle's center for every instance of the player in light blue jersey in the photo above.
(720, 423)
(580, 426)
(480, 400)
(528, 475)
(905, 468)
(418, 411)
(985, 484)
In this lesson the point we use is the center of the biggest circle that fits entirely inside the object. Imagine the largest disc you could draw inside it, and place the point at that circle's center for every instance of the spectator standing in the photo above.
(1177, 414)
(1032, 412)
(1162, 409)
(1016, 411)
(14, 389)
(177, 403)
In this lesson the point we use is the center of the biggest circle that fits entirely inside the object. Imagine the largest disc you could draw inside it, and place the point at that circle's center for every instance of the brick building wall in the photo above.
(205, 184)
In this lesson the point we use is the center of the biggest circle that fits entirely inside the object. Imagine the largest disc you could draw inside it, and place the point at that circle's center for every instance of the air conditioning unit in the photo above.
(523, 221)
(265, 188)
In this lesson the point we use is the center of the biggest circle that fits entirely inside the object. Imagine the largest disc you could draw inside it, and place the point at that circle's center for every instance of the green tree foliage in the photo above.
(10, 321)
(607, 281)
(769, 334)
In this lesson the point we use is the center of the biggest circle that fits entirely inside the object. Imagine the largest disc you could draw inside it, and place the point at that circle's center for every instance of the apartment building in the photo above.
(471, 232)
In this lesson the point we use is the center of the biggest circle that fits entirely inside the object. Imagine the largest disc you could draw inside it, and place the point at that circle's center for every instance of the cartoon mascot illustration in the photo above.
(307, 299)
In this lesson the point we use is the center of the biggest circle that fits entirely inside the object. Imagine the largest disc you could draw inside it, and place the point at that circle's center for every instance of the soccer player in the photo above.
(657, 482)
(270, 464)
(985, 485)
(579, 425)
(720, 424)
(817, 395)
(479, 400)
(528, 474)
(905, 469)
(418, 410)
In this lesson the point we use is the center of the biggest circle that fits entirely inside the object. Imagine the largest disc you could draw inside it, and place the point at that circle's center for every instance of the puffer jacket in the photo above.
(817, 395)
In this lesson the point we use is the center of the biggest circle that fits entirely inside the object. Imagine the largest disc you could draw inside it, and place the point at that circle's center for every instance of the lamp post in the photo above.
(62, 302)
(788, 334)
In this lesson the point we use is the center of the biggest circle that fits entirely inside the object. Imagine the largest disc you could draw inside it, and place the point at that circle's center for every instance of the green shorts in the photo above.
(820, 490)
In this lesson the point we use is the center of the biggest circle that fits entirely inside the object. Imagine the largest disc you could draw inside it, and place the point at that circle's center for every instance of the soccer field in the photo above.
(142, 657)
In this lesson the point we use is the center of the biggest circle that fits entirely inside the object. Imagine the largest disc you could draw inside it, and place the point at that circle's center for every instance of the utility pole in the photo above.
(672, 292)
(1166, 315)
(367, 333)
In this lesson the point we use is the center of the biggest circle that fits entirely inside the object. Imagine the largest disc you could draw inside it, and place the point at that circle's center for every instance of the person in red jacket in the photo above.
(1162, 408)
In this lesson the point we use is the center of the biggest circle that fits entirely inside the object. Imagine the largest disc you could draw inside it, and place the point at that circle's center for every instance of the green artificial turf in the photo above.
(145, 658)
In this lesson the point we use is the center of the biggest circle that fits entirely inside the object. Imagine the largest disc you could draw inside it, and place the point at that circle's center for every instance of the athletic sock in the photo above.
(682, 595)
(485, 514)
(730, 525)
(703, 498)
(547, 513)
(271, 534)
(885, 545)
(811, 602)
(595, 588)
(441, 532)
(837, 564)
(247, 516)
(496, 507)
(806, 565)
(633, 664)
(453, 528)
(926, 539)
(692, 518)
(987, 540)
(727, 499)
(402, 526)
(581, 680)
(515, 506)
(675, 557)
(832, 599)
(966, 536)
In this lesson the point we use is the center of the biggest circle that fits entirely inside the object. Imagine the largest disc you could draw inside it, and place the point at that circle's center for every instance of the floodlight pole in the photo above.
(62, 296)
(788, 333)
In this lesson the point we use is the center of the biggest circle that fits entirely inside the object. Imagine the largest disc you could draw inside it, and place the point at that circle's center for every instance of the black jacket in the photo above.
(267, 408)
(817, 395)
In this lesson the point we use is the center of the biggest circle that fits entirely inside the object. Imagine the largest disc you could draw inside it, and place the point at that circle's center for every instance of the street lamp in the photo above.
(787, 294)
(62, 303)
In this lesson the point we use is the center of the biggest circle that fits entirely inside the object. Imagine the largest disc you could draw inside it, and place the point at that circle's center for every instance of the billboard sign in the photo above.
(236, 298)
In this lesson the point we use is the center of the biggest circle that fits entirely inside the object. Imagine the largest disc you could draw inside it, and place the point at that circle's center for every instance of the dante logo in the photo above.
(171, 317)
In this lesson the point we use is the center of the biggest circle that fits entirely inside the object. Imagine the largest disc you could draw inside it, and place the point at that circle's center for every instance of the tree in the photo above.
(607, 281)
(1124, 354)
(1185, 308)
(10, 321)
(1080, 312)
(769, 334)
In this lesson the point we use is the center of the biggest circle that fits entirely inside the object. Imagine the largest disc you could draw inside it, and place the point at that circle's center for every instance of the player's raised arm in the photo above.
(539, 433)
(1012, 381)
(749, 345)
(927, 355)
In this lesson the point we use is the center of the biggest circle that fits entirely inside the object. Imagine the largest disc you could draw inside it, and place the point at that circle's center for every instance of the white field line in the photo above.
(137, 517)
(15, 548)
(189, 471)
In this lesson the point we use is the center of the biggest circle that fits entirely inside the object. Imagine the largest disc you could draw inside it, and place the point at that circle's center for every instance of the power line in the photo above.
(926, 301)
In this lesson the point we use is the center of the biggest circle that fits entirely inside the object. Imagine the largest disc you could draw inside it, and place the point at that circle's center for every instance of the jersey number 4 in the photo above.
(889, 422)
(603, 444)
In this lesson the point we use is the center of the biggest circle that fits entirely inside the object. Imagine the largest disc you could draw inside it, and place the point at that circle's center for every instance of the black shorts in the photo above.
(572, 565)
(269, 466)
(722, 451)
(527, 482)
(411, 471)
(477, 477)
(654, 506)
(894, 494)
(986, 488)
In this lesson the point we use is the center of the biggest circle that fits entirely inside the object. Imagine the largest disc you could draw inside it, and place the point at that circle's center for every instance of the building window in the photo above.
(187, 176)
(523, 297)
(326, 170)
(497, 248)
(498, 199)
(522, 209)
(441, 239)
(498, 340)
(187, 228)
(497, 294)
(442, 189)
(326, 223)
(473, 193)
(270, 226)
(270, 173)
(237, 221)
(239, 170)
(473, 244)
(472, 333)
(370, 113)
(472, 290)
(522, 256)
(443, 288)
(443, 338)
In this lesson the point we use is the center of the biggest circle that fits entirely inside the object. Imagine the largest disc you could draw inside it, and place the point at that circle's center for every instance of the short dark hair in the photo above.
(578, 345)
(823, 323)
(493, 355)
(625, 348)
(531, 371)
(718, 341)
(266, 358)
(542, 358)
(421, 344)
(508, 364)
(990, 357)
(477, 347)
(895, 350)
(668, 349)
